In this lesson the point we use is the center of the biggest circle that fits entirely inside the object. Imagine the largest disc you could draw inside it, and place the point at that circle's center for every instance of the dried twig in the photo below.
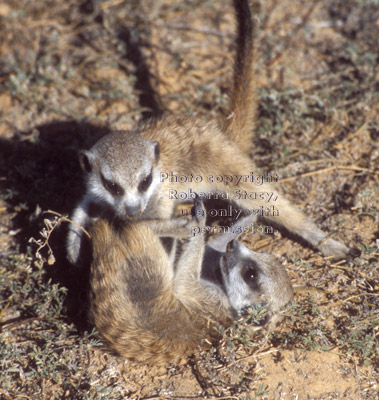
(324, 170)
(64, 218)
(46, 232)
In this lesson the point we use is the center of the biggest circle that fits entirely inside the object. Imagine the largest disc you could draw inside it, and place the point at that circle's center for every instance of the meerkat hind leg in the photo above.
(298, 224)
(281, 212)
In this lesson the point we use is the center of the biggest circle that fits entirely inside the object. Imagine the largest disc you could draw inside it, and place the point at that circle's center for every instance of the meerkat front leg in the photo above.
(81, 219)
(190, 288)
(177, 228)
(188, 268)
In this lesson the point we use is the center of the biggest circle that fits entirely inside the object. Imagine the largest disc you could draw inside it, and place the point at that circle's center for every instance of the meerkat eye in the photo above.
(250, 275)
(145, 183)
(112, 187)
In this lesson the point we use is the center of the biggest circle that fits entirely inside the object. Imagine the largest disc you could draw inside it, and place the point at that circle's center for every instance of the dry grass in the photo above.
(70, 71)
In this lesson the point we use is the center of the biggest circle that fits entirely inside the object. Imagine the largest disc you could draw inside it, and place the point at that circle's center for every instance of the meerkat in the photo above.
(144, 173)
(148, 311)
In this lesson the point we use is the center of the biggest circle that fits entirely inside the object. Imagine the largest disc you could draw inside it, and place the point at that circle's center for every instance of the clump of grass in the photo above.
(42, 355)
(65, 67)
(353, 331)
(228, 368)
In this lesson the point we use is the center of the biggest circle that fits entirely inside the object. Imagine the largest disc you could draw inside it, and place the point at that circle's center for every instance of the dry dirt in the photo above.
(71, 71)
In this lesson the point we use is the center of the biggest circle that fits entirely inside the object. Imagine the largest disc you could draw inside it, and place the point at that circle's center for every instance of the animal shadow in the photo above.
(42, 172)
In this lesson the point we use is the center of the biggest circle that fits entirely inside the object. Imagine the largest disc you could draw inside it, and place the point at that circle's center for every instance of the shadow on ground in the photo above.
(43, 173)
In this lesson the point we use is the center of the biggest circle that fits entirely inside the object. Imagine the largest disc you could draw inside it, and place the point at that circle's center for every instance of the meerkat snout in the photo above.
(132, 212)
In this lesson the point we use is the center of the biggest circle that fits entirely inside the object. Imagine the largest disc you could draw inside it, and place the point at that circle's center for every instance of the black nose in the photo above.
(133, 211)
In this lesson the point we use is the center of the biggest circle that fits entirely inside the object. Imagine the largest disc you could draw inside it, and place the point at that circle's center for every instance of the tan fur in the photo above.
(203, 148)
(189, 146)
(148, 311)
(241, 118)
(142, 311)
(192, 146)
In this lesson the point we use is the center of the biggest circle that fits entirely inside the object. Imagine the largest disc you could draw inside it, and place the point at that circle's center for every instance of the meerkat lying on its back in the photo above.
(128, 173)
(148, 311)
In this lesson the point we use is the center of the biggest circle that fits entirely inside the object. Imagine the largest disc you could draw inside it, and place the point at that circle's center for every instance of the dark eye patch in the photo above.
(157, 151)
(112, 187)
(146, 182)
(250, 274)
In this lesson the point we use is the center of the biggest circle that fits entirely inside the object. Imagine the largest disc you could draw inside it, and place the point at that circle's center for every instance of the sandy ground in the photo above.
(71, 71)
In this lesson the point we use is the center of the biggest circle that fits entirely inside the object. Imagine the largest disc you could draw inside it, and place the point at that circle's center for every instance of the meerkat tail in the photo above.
(243, 102)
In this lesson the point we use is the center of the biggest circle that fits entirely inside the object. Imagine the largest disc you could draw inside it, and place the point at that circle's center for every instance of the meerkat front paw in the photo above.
(74, 241)
(198, 212)
(186, 227)
(183, 227)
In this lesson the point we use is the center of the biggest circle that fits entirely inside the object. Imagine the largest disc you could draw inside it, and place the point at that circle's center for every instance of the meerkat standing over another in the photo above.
(148, 311)
(129, 172)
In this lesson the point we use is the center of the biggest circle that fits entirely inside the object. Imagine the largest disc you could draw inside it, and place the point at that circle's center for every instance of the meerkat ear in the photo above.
(86, 160)
(157, 150)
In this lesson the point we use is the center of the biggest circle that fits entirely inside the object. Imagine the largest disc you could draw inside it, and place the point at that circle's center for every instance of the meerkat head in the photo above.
(252, 278)
(122, 172)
